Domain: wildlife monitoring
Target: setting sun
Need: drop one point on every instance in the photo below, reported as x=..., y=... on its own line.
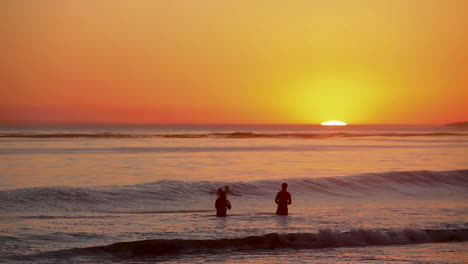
x=333, y=123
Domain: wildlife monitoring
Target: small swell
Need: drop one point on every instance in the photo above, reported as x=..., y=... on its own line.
x=321, y=239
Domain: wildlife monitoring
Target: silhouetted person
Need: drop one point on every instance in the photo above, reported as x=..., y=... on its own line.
x=222, y=204
x=283, y=198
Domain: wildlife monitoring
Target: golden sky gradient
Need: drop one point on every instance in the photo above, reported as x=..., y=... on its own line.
x=213, y=61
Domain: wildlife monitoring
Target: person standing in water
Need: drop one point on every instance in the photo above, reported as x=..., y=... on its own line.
x=222, y=204
x=283, y=199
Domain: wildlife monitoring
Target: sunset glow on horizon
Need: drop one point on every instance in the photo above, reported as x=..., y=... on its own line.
x=301, y=62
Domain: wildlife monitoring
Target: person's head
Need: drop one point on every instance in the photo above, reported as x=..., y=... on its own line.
x=222, y=194
x=284, y=186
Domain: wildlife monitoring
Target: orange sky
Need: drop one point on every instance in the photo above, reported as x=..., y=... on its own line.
x=145, y=61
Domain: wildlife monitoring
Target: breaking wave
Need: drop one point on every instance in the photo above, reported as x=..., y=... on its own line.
x=321, y=239
x=146, y=197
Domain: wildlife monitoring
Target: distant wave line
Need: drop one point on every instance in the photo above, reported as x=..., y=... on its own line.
x=192, y=149
x=238, y=135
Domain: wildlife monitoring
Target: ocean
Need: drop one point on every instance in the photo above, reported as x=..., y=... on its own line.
x=146, y=193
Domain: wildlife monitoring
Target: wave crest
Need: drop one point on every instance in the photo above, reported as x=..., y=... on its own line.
x=145, y=196
x=321, y=239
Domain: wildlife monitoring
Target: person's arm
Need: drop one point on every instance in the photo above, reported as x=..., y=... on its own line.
x=228, y=204
x=289, y=198
x=277, y=198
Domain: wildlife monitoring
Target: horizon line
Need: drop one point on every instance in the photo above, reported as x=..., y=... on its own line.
x=220, y=124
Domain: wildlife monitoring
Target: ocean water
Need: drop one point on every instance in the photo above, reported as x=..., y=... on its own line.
x=146, y=193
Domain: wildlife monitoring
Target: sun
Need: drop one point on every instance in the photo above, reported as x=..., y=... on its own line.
x=333, y=123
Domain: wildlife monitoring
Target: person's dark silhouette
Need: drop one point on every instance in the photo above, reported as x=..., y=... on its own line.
x=283, y=198
x=222, y=204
